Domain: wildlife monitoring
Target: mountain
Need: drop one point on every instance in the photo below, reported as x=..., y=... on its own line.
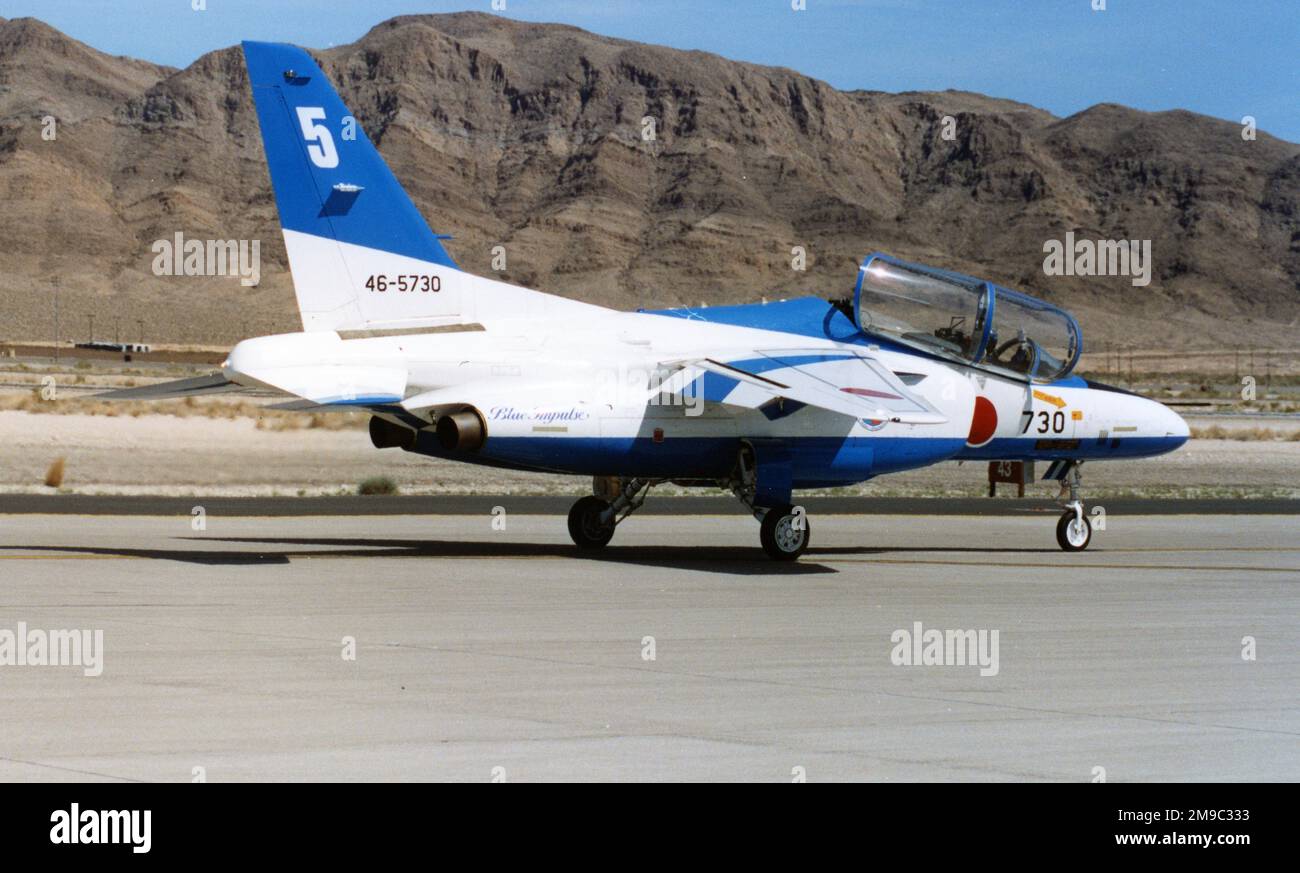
x=529, y=136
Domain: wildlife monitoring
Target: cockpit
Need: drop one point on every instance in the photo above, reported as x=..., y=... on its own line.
x=966, y=319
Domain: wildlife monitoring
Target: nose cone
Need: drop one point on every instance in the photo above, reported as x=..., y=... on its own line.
x=1171, y=426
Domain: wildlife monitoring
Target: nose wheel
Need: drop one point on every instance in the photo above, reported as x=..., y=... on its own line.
x=1074, y=530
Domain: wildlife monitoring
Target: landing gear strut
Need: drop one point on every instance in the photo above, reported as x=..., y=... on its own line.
x=592, y=519
x=1073, y=531
x=784, y=531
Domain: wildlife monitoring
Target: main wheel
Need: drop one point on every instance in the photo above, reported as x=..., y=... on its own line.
x=784, y=533
x=1073, y=534
x=585, y=526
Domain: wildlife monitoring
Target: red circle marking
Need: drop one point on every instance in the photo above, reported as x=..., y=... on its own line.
x=983, y=421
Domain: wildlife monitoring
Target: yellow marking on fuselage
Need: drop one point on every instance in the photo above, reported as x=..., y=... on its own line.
x=1049, y=398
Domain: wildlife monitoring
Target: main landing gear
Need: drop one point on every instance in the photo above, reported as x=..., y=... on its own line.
x=1073, y=531
x=592, y=519
x=783, y=531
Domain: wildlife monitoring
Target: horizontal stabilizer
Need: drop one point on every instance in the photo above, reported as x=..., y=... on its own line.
x=300, y=406
x=332, y=385
x=199, y=386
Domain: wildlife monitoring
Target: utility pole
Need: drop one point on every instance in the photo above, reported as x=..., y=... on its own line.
x=92, y=326
x=140, y=321
x=56, y=318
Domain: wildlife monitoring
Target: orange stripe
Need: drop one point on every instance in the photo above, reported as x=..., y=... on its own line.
x=1049, y=398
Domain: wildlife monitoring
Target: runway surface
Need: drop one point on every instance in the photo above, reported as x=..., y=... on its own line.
x=483, y=652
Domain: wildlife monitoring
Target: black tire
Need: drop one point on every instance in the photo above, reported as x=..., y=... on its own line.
x=584, y=524
x=780, y=538
x=1063, y=533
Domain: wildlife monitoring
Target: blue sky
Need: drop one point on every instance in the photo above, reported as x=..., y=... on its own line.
x=1226, y=58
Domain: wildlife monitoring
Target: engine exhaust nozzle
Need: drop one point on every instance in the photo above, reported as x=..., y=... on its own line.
x=462, y=431
x=386, y=435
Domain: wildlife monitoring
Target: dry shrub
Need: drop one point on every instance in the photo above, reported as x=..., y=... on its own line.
x=377, y=485
x=54, y=475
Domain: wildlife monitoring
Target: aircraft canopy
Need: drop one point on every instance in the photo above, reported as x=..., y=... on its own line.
x=966, y=319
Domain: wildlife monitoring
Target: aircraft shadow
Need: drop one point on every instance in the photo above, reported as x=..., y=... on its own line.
x=713, y=559
x=190, y=556
x=731, y=560
x=484, y=549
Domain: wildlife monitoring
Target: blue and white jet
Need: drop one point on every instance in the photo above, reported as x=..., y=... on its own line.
x=918, y=366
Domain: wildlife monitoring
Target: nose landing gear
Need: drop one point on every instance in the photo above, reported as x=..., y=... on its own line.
x=1073, y=531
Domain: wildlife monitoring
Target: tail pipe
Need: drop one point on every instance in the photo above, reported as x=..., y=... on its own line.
x=386, y=435
x=463, y=431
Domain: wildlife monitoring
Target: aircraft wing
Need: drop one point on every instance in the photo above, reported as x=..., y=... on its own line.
x=849, y=383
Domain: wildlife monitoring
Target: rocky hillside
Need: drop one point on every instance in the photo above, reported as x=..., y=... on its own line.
x=530, y=136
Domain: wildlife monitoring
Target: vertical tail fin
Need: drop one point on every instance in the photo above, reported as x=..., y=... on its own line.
x=332, y=187
x=361, y=254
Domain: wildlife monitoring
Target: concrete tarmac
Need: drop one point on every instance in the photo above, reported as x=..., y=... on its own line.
x=680, y=653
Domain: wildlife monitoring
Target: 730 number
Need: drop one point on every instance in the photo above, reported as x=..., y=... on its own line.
x=1051, y=422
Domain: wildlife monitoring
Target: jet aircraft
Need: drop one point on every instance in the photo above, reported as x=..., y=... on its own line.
x=916, y=366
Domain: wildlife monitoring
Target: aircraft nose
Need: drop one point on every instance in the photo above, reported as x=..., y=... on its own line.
x=1176, y=431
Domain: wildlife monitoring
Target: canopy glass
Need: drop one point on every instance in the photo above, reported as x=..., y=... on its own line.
x=965, y=319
